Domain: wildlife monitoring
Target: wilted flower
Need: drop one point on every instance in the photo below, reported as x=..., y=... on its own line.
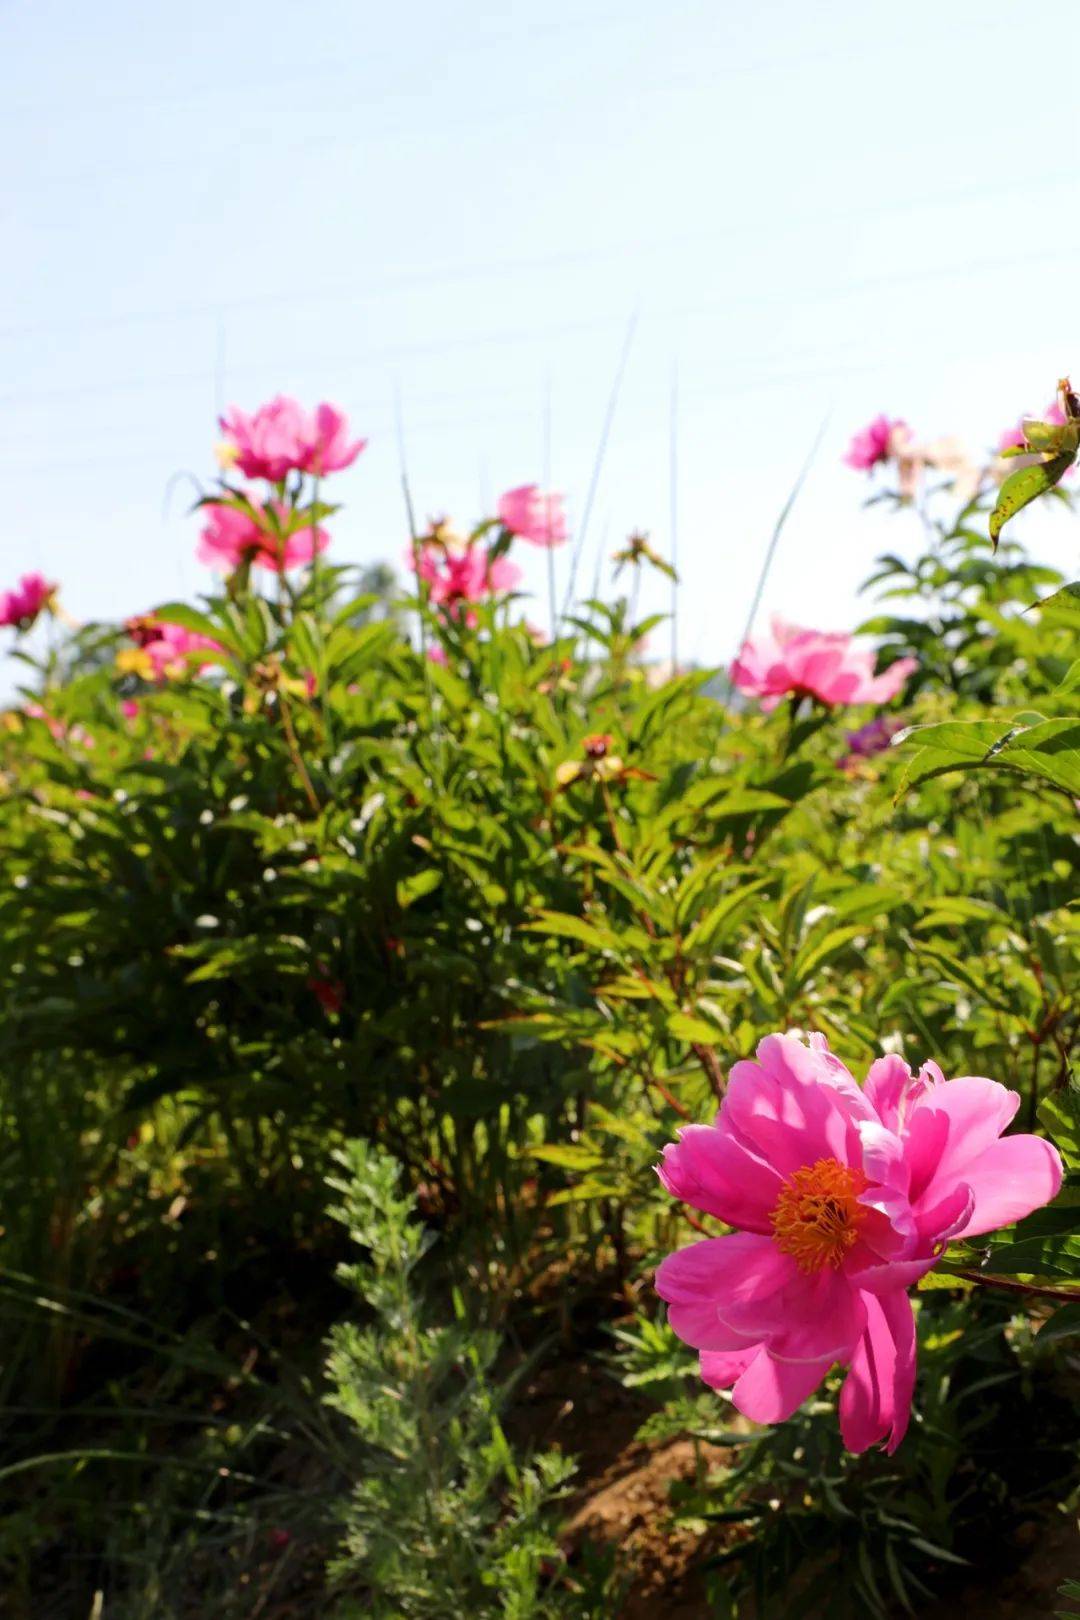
x=826, y=666
x=21, y=606
x=533, y=515
x=232, y=536
x=638, y=550
x=844, y=1196
x=598, y=764
x=281, y=437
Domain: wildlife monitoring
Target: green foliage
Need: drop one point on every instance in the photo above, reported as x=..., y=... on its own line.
x=817, y=1530
x=444, y=1519
x=511, y=916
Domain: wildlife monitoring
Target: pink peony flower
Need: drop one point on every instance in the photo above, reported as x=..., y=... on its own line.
x=231, y=537
x=843, y=1196
x=456, y=578
x=20, y=607
x=167, y=649
x=281, y=437
x=827, y=666
x=875, y=443
x=534, y=516
x=328, y=446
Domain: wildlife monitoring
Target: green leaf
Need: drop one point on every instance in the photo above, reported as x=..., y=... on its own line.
x=813, y=955
x=1038, y=1257
x=1050, y=750
x=1052, y=438
x=190, y=618
x=702, y=937
x=568, y=1156
x=1060, y=1115
x=564, y=926
x=1065, y=601
x=747, y=801
x=409, y=890
x=1072, y=679
x=1064, y=1324
x=585, y=1190
x=686, y=1028
x=1025, y=486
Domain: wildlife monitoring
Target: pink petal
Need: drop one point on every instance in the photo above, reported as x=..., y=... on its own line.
x=893, y=1276
x=770, y=1390
x=925, y=1142
x=1009, y=1180
x=795, y=1105
x=733, y=1273
x=883, y=1156
x=875, y=1402
x=720, y=1368
x=710, y=1170
x=978, y=1112
x=814, y=1317
x=939, y=1222
x=887, y=1083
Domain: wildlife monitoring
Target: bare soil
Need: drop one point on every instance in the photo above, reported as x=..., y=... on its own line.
x=622, y=1500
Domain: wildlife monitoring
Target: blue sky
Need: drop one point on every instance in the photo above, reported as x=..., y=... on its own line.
x=813, y=212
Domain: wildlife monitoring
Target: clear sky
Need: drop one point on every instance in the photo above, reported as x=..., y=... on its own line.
x=812, y=211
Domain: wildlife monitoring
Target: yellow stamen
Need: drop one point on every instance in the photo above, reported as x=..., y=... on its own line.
x=817, y=1215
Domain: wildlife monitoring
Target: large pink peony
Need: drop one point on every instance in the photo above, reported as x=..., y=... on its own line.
x=843, y=1196
x=21, y=605
x=814, y=663
x=231, y=537
x=281, y=437
x=534, y=516
x=457, y=578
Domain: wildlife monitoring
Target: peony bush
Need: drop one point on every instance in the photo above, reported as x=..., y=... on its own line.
x=330, y=870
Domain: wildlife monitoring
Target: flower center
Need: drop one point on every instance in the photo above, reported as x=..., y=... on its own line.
x=818, y=1215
